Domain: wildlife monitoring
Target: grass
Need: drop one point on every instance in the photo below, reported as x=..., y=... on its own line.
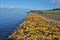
x=53, y=12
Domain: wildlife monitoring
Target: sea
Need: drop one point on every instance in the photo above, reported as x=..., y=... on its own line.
x=9, y=20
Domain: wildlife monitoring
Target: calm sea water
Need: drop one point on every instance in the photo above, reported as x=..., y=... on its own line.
x=9, y=20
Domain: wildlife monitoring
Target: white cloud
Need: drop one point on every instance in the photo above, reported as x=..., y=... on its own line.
x=7, y=7
x=56, y=1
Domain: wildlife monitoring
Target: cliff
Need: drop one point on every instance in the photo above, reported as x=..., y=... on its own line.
x=36, y=27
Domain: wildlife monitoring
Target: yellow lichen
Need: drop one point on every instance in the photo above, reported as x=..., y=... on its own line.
x=36, y=27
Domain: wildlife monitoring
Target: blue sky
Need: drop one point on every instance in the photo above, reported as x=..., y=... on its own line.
x=30, y=4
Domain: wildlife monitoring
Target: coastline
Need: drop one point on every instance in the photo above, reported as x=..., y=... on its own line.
x=33, y=20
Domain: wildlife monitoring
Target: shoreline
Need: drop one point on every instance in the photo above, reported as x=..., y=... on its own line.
x=35, y=24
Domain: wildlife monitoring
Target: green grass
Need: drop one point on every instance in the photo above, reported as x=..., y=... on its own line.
x=53, y=12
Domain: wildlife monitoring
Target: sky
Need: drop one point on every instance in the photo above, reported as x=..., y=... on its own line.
x=31, y=4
